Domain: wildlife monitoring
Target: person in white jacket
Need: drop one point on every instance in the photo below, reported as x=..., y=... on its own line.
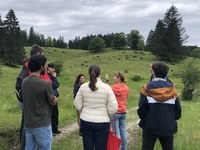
x=95, y=101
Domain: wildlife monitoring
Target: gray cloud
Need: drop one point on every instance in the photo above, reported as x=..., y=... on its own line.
x=71, y=18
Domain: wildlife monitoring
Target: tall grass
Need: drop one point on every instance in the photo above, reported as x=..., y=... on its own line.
x=133, y=63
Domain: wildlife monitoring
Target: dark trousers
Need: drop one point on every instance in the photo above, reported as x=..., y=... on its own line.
x=54, y=117
x=94, y=135
x=149, y=140
x=22, y=133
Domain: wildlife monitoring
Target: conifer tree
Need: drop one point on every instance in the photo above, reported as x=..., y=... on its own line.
x=1, y=37
x=167, y=38
x=14, y=51
x=31, y=37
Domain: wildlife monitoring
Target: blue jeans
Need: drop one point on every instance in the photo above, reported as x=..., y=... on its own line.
x=120, y=125
x=95, y=135
x=38, y=138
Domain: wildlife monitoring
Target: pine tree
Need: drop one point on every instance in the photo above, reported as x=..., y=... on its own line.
x=1, y=37
x=157, y=45
x=32, y=37
x=174, y=33
x=24, y=37
x=14, y=52
x=167, y=39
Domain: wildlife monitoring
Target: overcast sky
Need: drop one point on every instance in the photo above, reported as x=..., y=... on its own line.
x=71, y=18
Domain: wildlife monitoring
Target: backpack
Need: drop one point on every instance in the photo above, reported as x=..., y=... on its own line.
x=18, y=87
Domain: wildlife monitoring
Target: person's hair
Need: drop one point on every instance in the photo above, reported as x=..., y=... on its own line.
x=78, y=78
x=160, y=69
x=35, y=50
x=36, y=62
x=121, y=76
x=94, y=72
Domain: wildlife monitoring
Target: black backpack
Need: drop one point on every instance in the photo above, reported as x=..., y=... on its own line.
x=18, y=87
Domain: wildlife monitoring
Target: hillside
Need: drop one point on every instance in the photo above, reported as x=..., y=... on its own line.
x=133, y=63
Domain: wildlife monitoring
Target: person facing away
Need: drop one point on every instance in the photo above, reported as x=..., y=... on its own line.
x=54, y=108
x=35, y=50
x=38, y=96
x=80, y=79
x=95, y=101
x=152, y=76
x=118, y=120
x=159, y=109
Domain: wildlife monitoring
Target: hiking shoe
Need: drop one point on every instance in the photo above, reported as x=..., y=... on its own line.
x=57, y=132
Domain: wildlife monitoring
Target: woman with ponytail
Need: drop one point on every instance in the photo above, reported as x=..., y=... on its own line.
x=118, y=120
x=95, y=101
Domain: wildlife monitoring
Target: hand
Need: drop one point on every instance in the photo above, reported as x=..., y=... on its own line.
x=107, y=76
x=54, y=74
x=54, y=101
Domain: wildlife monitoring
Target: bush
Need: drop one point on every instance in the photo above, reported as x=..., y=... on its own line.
x=126, y=71
x=59, y=67
x=196, y=53
x=190, y=79
x=136, y=78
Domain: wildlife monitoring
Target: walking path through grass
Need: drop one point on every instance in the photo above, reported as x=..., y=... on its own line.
x=132, y=121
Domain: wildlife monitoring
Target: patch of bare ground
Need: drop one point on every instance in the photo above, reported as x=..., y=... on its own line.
x=131, y=128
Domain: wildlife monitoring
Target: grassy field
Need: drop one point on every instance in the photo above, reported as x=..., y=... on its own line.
x=78, y=61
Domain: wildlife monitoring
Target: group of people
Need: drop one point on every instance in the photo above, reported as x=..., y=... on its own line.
x=98, y=104
x=37, y=94
x=99, y=107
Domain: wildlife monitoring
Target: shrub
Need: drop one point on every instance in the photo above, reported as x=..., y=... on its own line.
x=196, y=53
x=136, y=78
x=190, y=79
x=126, y=71
x=59, y=67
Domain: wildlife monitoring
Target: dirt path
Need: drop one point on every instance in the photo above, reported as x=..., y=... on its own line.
x=66, y=130
x=129, y=126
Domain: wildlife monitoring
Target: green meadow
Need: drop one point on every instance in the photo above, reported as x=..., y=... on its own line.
x=132, y=63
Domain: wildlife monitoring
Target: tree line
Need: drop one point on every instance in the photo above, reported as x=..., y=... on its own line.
x=165, y=41
x=132, y=40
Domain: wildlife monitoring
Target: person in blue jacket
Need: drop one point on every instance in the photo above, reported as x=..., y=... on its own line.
x=159, y=109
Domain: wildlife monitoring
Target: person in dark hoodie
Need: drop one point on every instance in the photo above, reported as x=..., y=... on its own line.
x=159, y=109
x=54, y=108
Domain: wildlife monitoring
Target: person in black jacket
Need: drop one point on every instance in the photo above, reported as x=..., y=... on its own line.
x=80, y=79
x=54, y=108
x=159, y=109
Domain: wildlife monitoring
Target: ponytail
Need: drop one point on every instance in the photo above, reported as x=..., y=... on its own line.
x=93, y=80
x=94, y=72
x=121, y=76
